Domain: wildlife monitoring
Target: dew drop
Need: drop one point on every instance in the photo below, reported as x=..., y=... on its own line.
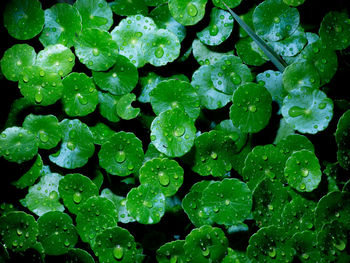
x=42, y=73
x=340, y=246
x=153, y=138
x=295, y=111
x=252, y=108
x=163, y=179
x=191, y=10
x=19, y=232
x=236, y=79
x=272, y=253
x=43, y=137
x=302, y=186
x=70, y=146
x=322, y=105
x=159, y=52
x=205, y=252
x=95, y=52
x=77, y=197
x=214, y=155
x=179, y=131
x=53, y=195
x=118, y=252
x=305, y=172
x=214, y=30
x=276, y=20
x=38, y=97
x=120, y=156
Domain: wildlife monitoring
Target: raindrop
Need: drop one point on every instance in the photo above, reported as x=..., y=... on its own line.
x=53, y=195
x=305, y=172
x=276, y=20
x=95, y=52
x=191, y=10
x=163, y=178
x=120, y=156
x=159, y=52
x=236, y=79
x=322, y=105
x=38, y=97
x=179, y=131
x=295, y=111
x=214, y=30
x=118, y=252
x=43, y=137
x=77, y=197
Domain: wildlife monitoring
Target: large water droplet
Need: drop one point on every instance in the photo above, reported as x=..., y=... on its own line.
x=120, y=156
x=82, y=100
x=77, y=197
x=118, y=252
x=305, y=172
x=38, y=97
x=236, y=79
x=295, y=111
x=205, y=252
x=252, y=108
x=191, y=9
x=213, y=30
x=272, y=253
x=19, y=232
x=163, y=178
x=70, y=146
x=43, y=137
x=53, y=195
x=214, y=155
x=276, y=19
x=340, y=246
x=159, y=52
x=179, y=131
x=95, y=52
x=322, y=105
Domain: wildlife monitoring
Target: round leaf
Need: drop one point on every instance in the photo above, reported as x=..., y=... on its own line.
x=119, y=80
x=187, y=12
x=274, y=20
x=172, y=251
x=75, y=189
x=56, y=233
x=29, y=178
x=101, y=133
x=250, y=53
x=173, y=132
x=46, y=128
x=127, y=7
x=166, y=173
x=146, y=203
x=175, y=93
x=108, y=106
x=125, y=109
x=233, y=132
x=18, y=144
x=62, y=22
x=122, y=154
x=251, y=109
x=15, y=59
x=307, y=110
x=343, y=140
x=96, y=49
x=76, y=147
x=305, y=244
x=80, y=95
x=23, y=19
x=229, y=3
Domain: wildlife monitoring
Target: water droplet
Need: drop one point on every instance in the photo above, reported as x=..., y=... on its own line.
x=43, y=137
x=272, y=253
x=276, y=20
x=82, y=100
x=340, y=246
x=130, y=166
x=120, y=156
x=214, y=30
x=252, y=108
x=179, y=131
x=295, y=111
x=138, y=34
x=53, y=195
x=153, y=138
x=25, y=78
x=191, y=9
x=322, y=105
x=163, y=179
x=118, y=252
x=42, y=73
x=214, y=155
x=205, y=252
x=159, y=52
x=302, y=186
x=77, y=197
x=15, y=243
x=270, y=207
x=147, y=204
x=236, y=79
x=95, y=52
x=227, y=202
x=38, y=97
x=19, y=232
x=304, y=172
x=70, y=146
x=305, y=256
x=66, y=243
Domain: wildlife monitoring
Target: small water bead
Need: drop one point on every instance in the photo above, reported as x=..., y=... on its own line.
x=77, y=197
x=120, y=156
x=147, y=204
x=304, y=172
x=163, y=178
x=19, y=232
x=159, y=52
x=38, y=97
x=118, y=252
x=322, y=105
x=236, y=79
x=276, y=20
x=214, y=30
x=179, y=131
x=296, y=111
x=272, y=253
x=42, y=73
x=191, y=10
x=252, y=108
x=53, y=195
x=302, y=186
x=95, y=52
x=205, y=252
x=43, y=137
x=214, y=155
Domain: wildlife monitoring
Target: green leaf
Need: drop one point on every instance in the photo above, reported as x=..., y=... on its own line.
x=78, y=255
x=44, y=197
x=40, y=86
x=298, y=215
x=95, y=14
x=173, y=132
x=172, y=252
x=75, y=189
x=294, y=2
x=18, y=230
x=229, y=3
x=130, y=35
x=101, y=133
x=15, y=59
x=333, y=206
x=146, y=203
x=263, y=162
x=119, y=202
x=80, y=95
x=160, y=47
x=274, y=20
x=342, y=139
x=46, y=128
x=205, y=244
x=307, y=110
x=165, y=173
x=115, y=245
x=96, y=49
x=29, y=178
x=163, y=19
x=204, y=55
x=56, y=58
x=269, y=199
x=56, y=233
x=170, y=94
x=108, y=106
x=270, y=245
x=119, y=80
x=335, y=30
x=18, y=144
x=62, y=22
x=305, y=244
x=247, y=18
x=219, y=28
x=272, y=81
x=250, y=53
x=94, y=216
x=240, y=138
x=193, y=205
x=125, y=109
x=23, y=19
x=212, y=153
x=187, y=12
x=303, y=171
x=122, y=154
x=300, y=74
x=129, y=7
x=229, y=73
x=251, y=109
x=228, y=202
